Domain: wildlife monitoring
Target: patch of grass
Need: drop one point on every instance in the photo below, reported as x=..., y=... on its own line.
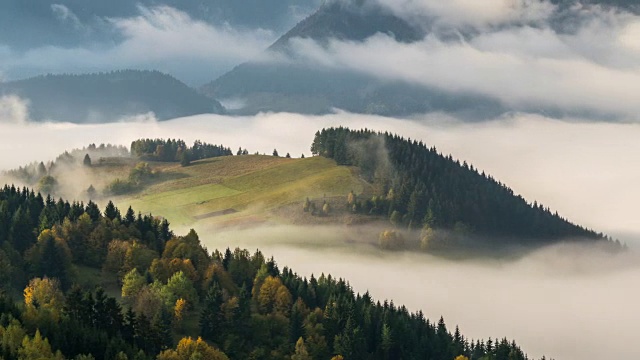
x=253, y=185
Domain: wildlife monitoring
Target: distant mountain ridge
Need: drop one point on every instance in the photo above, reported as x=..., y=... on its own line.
x=345, y=21
x=106, y=97
x=298, y=86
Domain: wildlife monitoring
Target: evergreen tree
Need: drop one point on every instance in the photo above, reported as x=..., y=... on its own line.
x=87, y=160
x=212, y=318
x=111, y=212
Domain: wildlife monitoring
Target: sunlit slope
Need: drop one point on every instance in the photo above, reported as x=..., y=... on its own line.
x=241, y=188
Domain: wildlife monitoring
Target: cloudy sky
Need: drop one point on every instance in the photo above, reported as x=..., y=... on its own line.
x=191, y=43
x=526, y=54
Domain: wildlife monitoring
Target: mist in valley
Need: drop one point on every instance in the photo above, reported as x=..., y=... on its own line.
x=584, y=170
x=564, y=301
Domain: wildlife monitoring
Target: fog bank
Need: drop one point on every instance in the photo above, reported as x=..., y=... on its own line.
x=583, y=170
x=565, y=302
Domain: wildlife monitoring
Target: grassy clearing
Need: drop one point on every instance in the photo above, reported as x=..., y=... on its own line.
x=252, y=185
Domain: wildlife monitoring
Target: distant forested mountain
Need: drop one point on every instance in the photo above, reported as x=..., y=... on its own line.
x=105, y=97
x=111, y=284
x=300, y=86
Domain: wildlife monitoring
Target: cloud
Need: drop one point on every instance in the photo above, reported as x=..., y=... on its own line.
x=164, y=32
x=545, y=301
x=583, y=170
x=591, y=68
x=554, y=302
x=13, y=110
x=65, y=15
x=160, y=38
x=471, y=12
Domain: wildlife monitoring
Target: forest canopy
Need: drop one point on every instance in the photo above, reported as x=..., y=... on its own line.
x=170, y=298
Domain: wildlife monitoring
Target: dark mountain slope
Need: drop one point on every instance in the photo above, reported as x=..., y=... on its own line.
x=108, y=97
x=345, y=21
x=299, y=86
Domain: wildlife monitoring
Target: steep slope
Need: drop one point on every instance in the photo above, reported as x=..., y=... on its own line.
x=108, y=97
x=348, y=21
x=300, y=87
x=421, y=188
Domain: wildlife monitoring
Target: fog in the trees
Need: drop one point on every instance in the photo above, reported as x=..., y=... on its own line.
x=566, y=301
x=583, y=170
x=544, y=301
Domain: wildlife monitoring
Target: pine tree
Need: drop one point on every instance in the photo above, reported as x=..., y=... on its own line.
x=212, y=317
x=111, y=212
x=87, y=160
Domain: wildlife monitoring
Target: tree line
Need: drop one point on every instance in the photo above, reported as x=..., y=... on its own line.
x=180, y=301
x=176, y=150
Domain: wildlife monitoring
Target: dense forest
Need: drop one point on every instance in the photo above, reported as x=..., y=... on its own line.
x=176, y=300
x=176, y=150
x=420, y=188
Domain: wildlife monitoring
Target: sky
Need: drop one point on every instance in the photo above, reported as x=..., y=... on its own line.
x=528, y=55
x=158, y=37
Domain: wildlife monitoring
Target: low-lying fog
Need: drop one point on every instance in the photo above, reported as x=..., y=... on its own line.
x=565, y=302
x=586, y=171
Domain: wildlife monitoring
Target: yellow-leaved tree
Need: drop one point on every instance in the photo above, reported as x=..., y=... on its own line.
x=37, y=348
x=43, y=301
x=178, y=312
x=192, y=349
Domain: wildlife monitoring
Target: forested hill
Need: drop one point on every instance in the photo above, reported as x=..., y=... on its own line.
x=348, y=21
x=105, y=97
x=421, y=188
x=73, y=262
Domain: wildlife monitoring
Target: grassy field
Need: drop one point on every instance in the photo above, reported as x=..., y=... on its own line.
x=236, y=189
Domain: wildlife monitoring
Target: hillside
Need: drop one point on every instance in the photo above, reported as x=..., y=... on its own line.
x=432, y=201
x=105, y=97
x=170, y=290
x=238, y=189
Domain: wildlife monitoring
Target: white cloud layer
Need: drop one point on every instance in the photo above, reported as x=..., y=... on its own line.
x=472, y=12
x=160, y=38
x=13, y=110
x=592, y=68
x=65, y=15
x=583, y=170
x=545, y=302
x=556, y=302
